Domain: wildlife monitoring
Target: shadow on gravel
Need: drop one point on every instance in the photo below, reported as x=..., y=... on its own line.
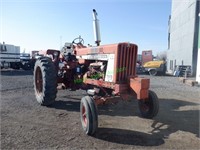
x=71, y=97
x=128, y=137
x=158, y=75
x=16, y=72
x=66, y=105
x=176, y=115
x=121, y=108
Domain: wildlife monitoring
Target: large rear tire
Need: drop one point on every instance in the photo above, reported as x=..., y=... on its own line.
x=149, y=108
x=45, y=81
x=89, y=116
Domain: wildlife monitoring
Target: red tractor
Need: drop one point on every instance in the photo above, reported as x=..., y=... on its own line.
x=106, y=72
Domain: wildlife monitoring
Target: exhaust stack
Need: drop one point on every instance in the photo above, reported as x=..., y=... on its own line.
x=96, y=28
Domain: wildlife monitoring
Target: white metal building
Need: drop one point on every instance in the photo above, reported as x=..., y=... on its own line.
x=183, y=35
x=198, y=58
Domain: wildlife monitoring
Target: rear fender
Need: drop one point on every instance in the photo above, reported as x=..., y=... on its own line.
x=52, y=54
x=152, y=69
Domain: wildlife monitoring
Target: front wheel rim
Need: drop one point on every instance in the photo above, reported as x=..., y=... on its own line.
x=84, y=117
x=38, y=80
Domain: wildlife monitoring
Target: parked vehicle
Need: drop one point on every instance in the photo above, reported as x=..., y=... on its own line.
x=26, y=62
x=106, y=72
x=9, y=56
x=155, y=67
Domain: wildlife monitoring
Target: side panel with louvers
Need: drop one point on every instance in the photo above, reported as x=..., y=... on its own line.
x=126, y=61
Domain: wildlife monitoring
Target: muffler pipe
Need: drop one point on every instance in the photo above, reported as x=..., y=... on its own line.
x=96, y=28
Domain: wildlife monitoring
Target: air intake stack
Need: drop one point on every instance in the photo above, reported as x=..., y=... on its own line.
x=96, y=28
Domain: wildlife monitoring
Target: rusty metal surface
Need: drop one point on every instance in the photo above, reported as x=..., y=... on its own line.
x=104, y=49
x=126, y=58
x=140, y=86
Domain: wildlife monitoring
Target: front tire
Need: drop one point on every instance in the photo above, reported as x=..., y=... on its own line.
x=89, y=116
x=149, y=108
x=153, y=72
x=45, y=81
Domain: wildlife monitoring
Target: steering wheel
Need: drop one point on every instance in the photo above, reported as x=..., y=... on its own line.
x=78, y=40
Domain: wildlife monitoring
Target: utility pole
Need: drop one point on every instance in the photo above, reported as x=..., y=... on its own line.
x=60, y=42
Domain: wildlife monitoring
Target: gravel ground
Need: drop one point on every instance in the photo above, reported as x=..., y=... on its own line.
x=27, y=125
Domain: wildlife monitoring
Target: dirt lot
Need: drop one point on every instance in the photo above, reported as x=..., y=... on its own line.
x=27, y=125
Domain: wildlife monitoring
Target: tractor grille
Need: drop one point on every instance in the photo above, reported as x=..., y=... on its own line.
x=126, y=62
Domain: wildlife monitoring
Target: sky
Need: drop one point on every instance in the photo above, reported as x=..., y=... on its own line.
x=45, y=24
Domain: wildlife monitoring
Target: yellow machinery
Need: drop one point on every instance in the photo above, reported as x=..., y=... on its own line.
x=155, y=67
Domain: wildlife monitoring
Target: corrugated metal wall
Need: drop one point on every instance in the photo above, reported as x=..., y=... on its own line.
x=182, y=33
